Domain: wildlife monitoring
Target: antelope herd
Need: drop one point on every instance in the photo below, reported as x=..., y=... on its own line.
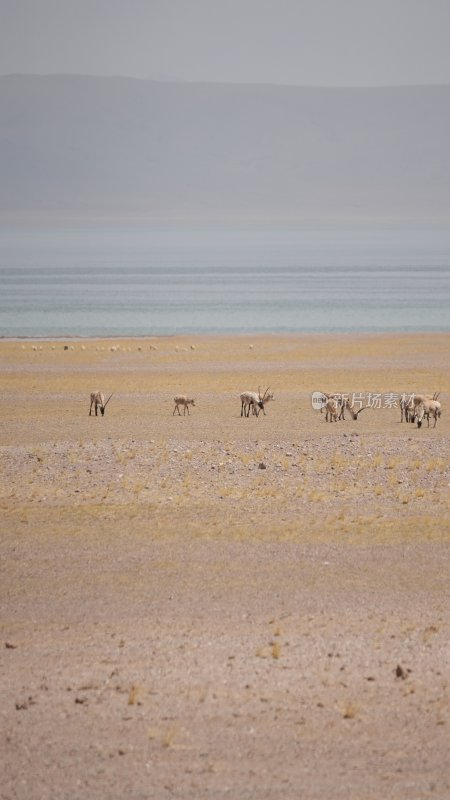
x=336, y=405
x=413, y=407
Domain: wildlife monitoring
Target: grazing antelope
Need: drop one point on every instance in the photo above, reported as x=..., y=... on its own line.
x=336, y=406
x=98, y=401
x=347, y=406
x=426, y=409
x=422, y=408
x=249, y=400
x=182, y=400
x=254, y=401
x=409, y=405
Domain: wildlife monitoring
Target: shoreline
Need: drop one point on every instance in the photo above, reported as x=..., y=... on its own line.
x=225, y=335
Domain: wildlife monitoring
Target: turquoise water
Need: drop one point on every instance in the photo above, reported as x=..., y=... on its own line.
x=166, y=279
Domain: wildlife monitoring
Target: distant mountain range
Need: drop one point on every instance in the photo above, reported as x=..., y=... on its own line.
x=87, y=147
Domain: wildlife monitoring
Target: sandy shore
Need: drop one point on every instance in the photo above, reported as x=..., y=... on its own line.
x=208, y=606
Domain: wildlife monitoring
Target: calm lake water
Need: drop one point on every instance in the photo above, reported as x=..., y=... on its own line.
x=160, y=280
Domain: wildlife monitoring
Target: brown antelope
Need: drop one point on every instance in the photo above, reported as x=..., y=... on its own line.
x=185, y=401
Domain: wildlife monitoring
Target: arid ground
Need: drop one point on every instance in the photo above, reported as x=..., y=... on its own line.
x=210, y=606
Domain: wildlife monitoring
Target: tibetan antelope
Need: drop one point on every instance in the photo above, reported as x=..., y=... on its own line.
x=98, y=401
x=409, y=404
x=254, y=401
x=182, y=400
x=420, y=404
x=427, y=408
x=407, y=408
x=335, y=406
x=331, y=410
x=347, y=406
x=337, y=396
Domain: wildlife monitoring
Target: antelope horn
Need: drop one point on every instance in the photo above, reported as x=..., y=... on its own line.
x=109, y=398
x=361, y=409
x=264, y=395
x=436, y=395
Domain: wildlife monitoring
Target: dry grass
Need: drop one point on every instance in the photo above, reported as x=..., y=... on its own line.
x=233, y=627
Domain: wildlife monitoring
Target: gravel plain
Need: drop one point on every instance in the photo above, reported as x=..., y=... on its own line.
x=210, y=606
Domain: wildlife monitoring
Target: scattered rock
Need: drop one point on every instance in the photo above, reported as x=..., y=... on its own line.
x=25, y=704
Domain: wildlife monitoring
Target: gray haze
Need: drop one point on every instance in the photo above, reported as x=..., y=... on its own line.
x=300, y=42
x=125, y=148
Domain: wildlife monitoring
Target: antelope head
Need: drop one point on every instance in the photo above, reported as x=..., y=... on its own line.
x=265, y=397
x=355, y=413
x=102, y=408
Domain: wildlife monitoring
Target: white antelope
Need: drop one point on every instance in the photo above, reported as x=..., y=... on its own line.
x=98, y=401
x=182, y=400
x=331, y=410
x=409, y=404
x=428, y=408
x=423, y=406
x=254, y=401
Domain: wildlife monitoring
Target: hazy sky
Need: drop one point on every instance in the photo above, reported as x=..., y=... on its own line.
x=304, y=42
